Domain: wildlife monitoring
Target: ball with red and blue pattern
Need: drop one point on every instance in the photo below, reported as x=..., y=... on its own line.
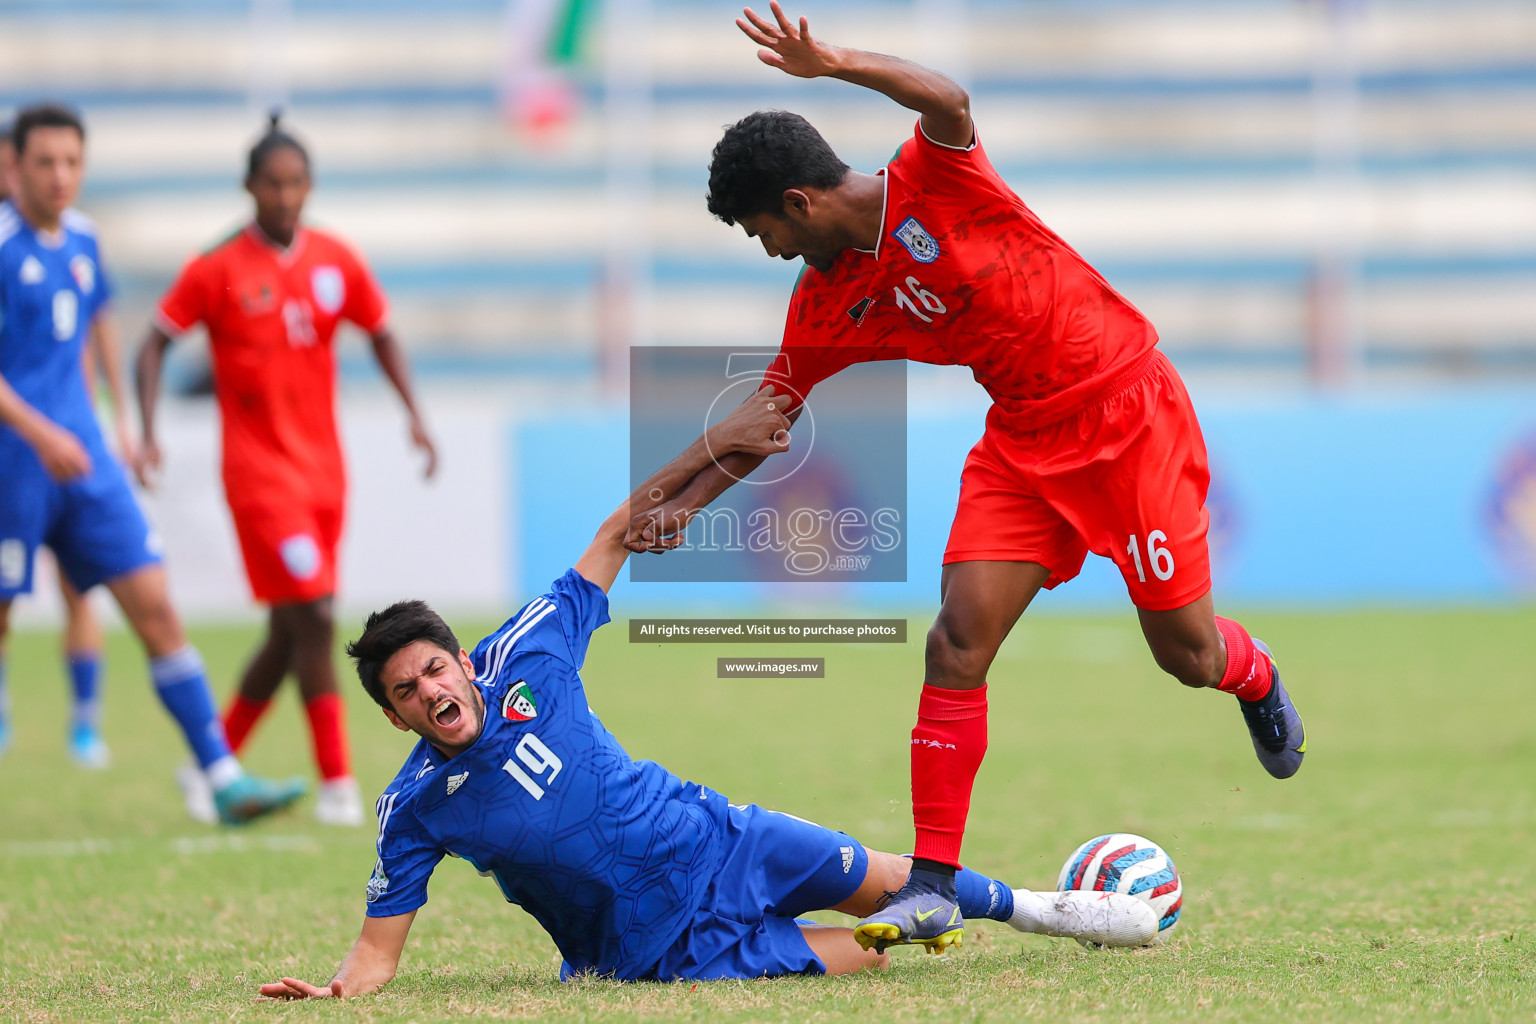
x=1130, y=864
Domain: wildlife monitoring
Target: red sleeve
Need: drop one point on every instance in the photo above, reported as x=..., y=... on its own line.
x=945, y=169
x=366, y=303
x=185, y=303
x=815, y=346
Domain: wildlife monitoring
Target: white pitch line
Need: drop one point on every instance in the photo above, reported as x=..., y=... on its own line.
x=184, y=845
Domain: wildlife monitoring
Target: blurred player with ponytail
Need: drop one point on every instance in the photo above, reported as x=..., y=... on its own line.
x=272, y=295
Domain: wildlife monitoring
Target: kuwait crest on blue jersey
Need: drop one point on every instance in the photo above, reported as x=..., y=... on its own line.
x=518, y=705
x=917, y=240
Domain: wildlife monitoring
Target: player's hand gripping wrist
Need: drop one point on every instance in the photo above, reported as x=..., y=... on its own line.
x=757, y=426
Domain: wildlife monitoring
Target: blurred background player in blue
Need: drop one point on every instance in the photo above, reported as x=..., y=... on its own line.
x=83, y=638
x=62, y=486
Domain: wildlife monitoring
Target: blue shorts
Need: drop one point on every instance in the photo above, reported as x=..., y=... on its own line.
x=93, y=524
x=774, y=867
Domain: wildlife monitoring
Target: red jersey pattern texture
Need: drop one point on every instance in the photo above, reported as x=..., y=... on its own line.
x=272, y=315
x=964, y=273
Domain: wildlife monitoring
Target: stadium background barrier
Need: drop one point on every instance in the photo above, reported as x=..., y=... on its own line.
x=1397, y=498
x=1423, y=498
x=446, y=541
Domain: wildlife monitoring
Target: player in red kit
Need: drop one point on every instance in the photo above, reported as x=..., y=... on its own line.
x=1091, y=442
x=272, y=296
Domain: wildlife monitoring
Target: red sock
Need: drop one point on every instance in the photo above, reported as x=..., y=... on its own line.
x=948, y=743
x=328, y=730
x=1248, y=668
x=240, y=718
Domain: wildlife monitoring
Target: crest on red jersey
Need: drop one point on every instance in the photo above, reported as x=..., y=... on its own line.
x=917, y=240
x=329, y=289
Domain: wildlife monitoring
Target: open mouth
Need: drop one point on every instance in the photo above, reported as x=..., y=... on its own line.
x=447, y=713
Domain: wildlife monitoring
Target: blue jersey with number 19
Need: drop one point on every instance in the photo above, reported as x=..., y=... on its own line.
x=612, y=856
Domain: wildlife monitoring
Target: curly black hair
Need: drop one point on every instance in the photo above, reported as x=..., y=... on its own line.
x=763, y=154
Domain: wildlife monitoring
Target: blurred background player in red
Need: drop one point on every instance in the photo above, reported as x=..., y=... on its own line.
x=272, y=295
x=84, y=640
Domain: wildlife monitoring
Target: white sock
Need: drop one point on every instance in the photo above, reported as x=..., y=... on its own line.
x=1029, y=909
x=224, y=772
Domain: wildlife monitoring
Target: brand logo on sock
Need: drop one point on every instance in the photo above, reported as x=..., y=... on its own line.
x=918, y=741
x=994, y=898
x=847, y=852
x=455, y=781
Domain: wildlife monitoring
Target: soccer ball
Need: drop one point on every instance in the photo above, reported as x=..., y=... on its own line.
x=1129, y=864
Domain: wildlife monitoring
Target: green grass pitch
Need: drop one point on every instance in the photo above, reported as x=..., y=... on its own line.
x=1393, y=879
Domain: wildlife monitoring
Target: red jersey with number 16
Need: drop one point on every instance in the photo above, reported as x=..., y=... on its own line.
x=272, y=315
x=964, y=273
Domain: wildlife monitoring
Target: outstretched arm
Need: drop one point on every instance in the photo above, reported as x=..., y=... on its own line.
x=944, y=106
x=368, y=967
x=387, y=350
x=755, y=429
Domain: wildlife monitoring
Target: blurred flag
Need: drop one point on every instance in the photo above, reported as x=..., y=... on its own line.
x=544, y=41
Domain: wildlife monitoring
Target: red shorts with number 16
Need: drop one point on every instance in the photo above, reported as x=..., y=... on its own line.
x=1125, y=478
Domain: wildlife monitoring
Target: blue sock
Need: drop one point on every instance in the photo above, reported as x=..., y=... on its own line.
x=981, y=896
x=85, y=677
x=182, y=683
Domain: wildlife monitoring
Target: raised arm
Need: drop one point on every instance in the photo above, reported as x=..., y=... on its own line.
x=754, y=430
x=944, y=106
x=146, y=374
x=368, y=967
x=391, y=357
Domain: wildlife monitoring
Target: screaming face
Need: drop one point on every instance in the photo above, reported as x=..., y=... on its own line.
x=432, y=693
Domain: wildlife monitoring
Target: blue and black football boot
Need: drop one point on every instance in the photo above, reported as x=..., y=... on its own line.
x=924, y=912
x=1278, y=738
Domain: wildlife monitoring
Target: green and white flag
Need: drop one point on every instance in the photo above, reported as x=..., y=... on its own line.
x=545, y=42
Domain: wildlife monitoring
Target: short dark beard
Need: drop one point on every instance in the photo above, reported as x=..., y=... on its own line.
x=478, y=708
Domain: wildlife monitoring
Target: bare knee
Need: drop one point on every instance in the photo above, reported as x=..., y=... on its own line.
x=158, y=627
x=312, y=621
x=5, y=620
x=1193, y=664
x=955, y=660
x=886, y=873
